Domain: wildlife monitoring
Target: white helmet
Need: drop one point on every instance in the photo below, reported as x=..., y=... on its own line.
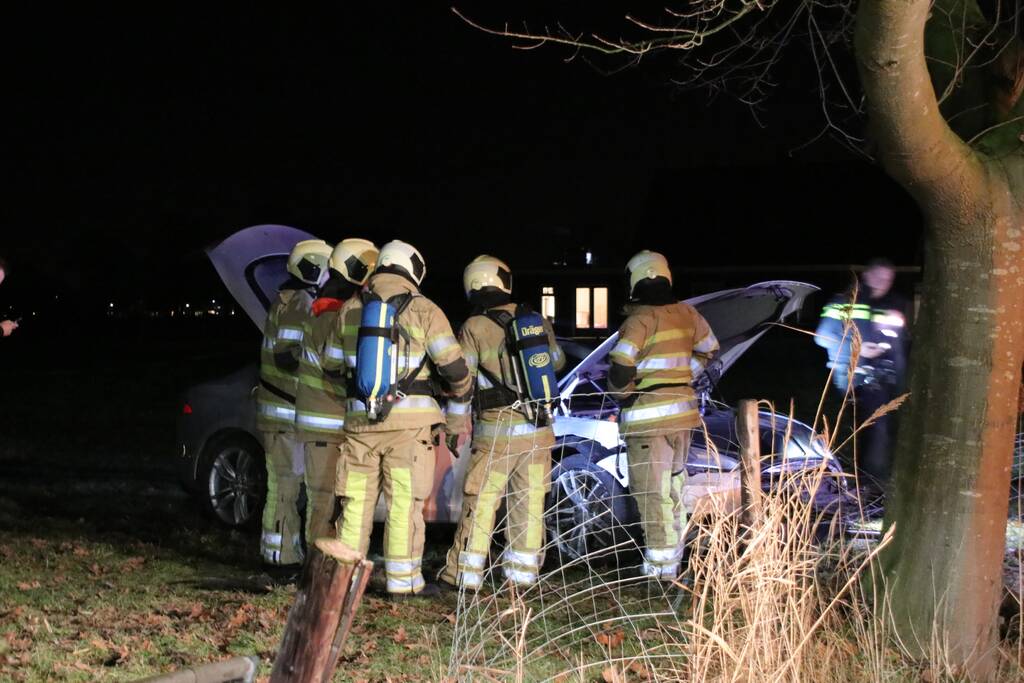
x=487, y=271
x=308, y=261
x=646, y=265
x=404, y=258
x=354, y=259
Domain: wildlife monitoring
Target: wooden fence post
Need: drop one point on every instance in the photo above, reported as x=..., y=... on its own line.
x=748, y=432
x=329, y=594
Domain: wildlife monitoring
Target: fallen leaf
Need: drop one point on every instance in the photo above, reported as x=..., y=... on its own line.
x=640, y=671
x=400, y=635
x=38, y=543
x=79, y=551
x=133, y=564
x=610, y=675
x=610, y=638
x=450, y=617
x=196, y=610
x=95, y=569
x=241, y=616
x=28, y=586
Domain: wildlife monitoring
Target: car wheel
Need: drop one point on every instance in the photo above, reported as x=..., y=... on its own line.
x=588, y=511
x=234, y=479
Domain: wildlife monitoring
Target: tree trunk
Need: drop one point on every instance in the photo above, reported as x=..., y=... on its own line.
x=951, y=476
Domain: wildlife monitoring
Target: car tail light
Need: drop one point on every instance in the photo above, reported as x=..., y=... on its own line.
x=186, y=409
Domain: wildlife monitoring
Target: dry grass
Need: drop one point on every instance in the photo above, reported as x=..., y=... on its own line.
x=778, y=599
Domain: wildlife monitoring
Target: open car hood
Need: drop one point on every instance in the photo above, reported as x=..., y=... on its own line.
x=253, y=265
x=738, y=317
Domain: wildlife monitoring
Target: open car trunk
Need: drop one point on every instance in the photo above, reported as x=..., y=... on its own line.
x=253, y=265
x=738, y=317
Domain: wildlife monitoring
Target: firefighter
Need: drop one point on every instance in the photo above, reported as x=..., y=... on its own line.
x=390, y=439
x=320, y=397
x=508, y=448
x=877, y=375
x=662, y=346
x=281, y=543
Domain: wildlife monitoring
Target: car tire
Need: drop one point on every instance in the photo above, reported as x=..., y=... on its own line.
x=589, y=513
x=232, y=479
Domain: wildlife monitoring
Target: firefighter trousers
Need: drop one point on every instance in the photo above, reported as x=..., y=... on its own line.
x=321, y=471
x=281, y=542
x=401, y=464
x=659, y=495
x=524, y=468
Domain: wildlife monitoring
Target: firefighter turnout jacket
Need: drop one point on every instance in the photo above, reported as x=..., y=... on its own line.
x=320, y=397
x=660, y=350
x=280, y=357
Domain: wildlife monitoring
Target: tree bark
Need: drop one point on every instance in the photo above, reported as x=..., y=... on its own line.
x=951, y=475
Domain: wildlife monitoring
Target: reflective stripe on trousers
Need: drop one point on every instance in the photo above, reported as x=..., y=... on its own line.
x=662, y=563
x=471, y=569
x=521, y=568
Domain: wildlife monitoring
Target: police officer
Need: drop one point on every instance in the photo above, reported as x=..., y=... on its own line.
x=320, y=397
x=281, y=542
x=662, y=346
x=509, y=448
x=395, y=453
x=877, y=374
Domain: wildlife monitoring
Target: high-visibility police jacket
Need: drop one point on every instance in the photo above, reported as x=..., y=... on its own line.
x=279, y=360
x=484, y=344
x=431, y=340
x=880, y=321
x=659, y=351
x=320, y=397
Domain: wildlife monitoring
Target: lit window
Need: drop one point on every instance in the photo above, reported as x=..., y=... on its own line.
x=547, y=303
x=582, y=307
x=601, y=308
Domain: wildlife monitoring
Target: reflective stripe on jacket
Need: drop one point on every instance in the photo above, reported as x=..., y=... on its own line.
x=280, y=356
x=665, y=346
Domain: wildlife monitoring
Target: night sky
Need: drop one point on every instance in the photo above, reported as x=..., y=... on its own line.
x=136, y=137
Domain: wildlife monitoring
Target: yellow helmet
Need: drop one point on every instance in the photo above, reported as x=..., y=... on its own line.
x=487, y=271
x=308, y=261
x=403, y=258
x=646, y=265
x=354, y=259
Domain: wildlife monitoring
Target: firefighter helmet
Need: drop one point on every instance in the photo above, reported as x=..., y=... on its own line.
x=354, y=259
x=487, y=271
x=646, y=265
x=403, y=259
x=308, y=261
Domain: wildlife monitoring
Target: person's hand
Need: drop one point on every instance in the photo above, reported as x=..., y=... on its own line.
x=871, y=350
x=8, y=326
x=452, y=442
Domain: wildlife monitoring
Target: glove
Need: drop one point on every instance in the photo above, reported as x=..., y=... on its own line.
x=452, y=442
